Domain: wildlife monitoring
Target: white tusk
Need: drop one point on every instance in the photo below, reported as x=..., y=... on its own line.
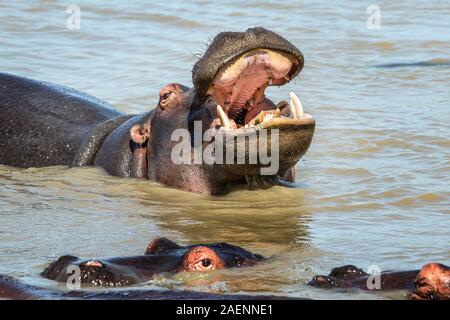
x=297, y=105
x=223, y=117
x=292, y=110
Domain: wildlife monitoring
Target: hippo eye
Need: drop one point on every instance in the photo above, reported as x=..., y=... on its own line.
x=201, y=258
x=206, y=263
x=164, y=99
x=203, y=265
x=166, y=96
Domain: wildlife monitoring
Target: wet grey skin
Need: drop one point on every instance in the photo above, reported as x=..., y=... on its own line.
x=162, y=256
x=44, y=124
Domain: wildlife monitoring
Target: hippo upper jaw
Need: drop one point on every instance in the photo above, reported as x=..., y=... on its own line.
x=233, y=48
x=235, y=71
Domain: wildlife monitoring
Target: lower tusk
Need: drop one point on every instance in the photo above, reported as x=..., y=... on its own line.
x=223, y=117
x=260, y=118
x=297, y=105
x=277, y=113
x=292, y=110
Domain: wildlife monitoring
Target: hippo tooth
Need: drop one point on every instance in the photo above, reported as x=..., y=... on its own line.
x=261, y=117
x=277, y=113
x=297, y=105
x=286, y=78
x=223, y=117
x=292, y=110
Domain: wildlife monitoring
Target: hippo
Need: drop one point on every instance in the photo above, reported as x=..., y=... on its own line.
x=44, y=124
x=432, y=282
x=161, y=256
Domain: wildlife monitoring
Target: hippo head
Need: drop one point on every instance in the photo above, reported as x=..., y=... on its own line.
x=256, y=141
x=161, y=256
x=432, y=283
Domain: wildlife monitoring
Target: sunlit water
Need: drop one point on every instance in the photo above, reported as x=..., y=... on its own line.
x=372, y=189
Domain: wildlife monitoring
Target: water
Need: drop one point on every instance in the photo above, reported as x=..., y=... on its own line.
x=372, y=189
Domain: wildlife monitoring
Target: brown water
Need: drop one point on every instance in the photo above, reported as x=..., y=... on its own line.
x=372, y=189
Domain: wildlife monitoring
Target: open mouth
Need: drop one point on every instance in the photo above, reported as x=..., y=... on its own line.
x=239, y=91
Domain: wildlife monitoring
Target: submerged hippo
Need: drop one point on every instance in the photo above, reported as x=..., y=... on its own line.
x=429, y=283
x=43, y=124
x=161, y=256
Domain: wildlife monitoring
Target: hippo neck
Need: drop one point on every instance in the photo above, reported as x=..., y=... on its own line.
x=93, y=141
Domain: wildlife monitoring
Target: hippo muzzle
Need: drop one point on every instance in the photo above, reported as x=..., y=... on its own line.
x=230, y=82
x=238, y=136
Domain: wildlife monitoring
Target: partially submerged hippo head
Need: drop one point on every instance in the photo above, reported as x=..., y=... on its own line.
x=161, y=256
x=228, y=105
x=432, y=283
x=339, y=277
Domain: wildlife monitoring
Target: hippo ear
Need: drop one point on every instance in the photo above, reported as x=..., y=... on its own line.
x=140, y=133
x=160, y=245
x=55, y=268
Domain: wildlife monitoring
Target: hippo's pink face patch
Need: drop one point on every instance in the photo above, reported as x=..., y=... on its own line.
x=201, y=258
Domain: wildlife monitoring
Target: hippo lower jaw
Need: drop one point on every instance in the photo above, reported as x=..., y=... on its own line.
x=291, y=142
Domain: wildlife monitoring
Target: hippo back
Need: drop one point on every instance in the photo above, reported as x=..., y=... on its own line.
x=42, y=124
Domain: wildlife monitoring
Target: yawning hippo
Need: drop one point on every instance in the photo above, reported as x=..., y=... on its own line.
x=43, y=124
x=431, y=282
x=161, y=256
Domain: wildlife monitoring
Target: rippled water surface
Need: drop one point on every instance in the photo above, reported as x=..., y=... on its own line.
x=372, y=189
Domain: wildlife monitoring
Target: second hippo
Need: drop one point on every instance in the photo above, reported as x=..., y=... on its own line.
x=161, y=256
